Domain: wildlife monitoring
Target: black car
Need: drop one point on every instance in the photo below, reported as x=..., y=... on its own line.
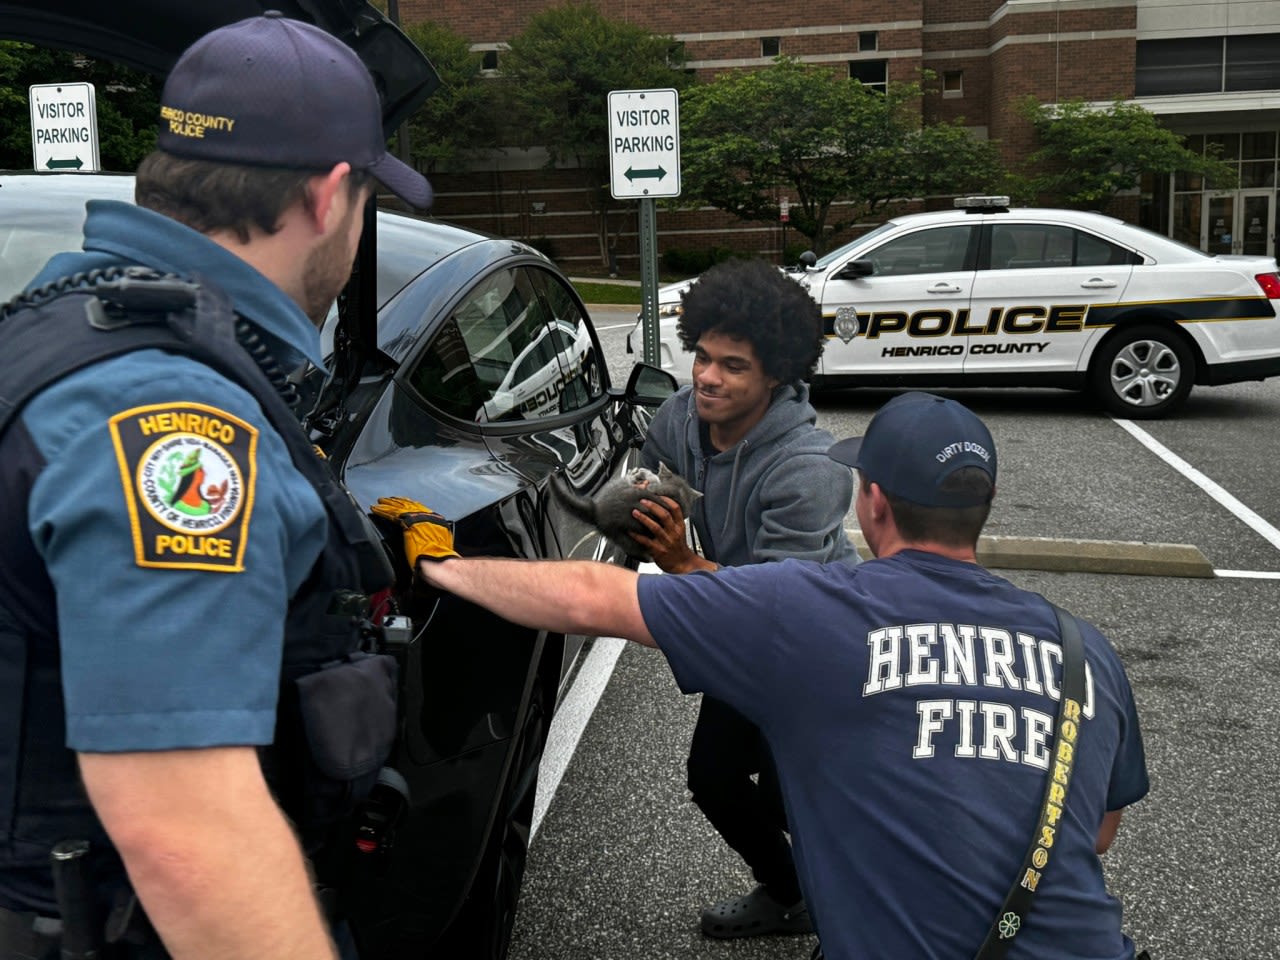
x=464, y=373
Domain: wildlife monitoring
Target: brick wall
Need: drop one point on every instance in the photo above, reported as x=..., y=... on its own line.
x=1081, y=58
x=487, y=21
x=555, y=205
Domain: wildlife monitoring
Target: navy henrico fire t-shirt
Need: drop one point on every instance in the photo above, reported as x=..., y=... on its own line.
x=910, y=706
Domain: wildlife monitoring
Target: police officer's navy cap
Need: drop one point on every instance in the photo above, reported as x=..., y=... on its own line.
x=914, y=442
x=270, y=91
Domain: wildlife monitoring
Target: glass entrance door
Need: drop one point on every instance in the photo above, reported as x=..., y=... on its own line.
x=1257, y=222
x=1242, y=221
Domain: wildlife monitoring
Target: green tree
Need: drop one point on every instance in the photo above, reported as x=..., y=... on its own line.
x=748, y=138
x=128, y=103
x=1088, y=155
x=459, y=116
x=558, y=73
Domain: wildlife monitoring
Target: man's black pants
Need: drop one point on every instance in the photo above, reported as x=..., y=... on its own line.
x=726, y=750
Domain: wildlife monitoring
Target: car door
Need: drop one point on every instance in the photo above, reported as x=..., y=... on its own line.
x=1037, y=283
x=911, y=305
x=467, y=428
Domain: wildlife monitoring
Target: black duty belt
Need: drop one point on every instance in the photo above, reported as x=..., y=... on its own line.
x=28, y=936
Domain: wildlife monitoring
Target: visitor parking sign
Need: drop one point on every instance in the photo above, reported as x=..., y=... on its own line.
x=64, y=127
x=644, y=143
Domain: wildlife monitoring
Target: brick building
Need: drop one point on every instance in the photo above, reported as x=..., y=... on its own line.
x=1210, y=70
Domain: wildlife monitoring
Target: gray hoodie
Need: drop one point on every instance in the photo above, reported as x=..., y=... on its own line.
x=775, y=494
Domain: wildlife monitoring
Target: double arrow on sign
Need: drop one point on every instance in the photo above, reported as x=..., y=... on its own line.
x=53, y=164
x=656, y=174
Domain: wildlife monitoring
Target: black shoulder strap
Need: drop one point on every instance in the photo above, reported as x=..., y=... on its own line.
x=1013, y=913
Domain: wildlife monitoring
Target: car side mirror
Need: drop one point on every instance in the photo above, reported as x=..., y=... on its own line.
x=807, y=259
x=854, y=269
x=648, y=386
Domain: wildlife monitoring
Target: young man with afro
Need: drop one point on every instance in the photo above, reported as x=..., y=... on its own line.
x=744, y=434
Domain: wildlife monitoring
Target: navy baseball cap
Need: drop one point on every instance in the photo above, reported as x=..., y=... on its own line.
x=270, y=91
x=914, y=442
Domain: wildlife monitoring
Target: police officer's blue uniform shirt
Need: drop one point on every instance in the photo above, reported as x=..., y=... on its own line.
x=172, y=522
x=909, y=703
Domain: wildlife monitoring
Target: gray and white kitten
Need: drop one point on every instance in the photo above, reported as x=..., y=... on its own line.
x=610, y=510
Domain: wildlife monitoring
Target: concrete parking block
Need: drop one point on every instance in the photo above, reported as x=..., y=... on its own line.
x=1083, y=556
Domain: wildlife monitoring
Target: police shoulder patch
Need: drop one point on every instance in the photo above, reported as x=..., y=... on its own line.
x=188, y=473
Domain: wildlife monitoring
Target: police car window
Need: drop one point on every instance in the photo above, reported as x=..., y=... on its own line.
x=1023, y=246
x=492, y=361
x=925, y=251
x=580, y=360
x=1093, y=251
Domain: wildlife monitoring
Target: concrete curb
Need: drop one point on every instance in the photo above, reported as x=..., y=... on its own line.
x=613, y=281
x=1083, y=556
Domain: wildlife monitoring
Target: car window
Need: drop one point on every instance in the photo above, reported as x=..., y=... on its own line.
x=576, y=349
x=541, y=353
x=497, y=358
x=925, y=251
x=1093, y=251
x=1022, y=246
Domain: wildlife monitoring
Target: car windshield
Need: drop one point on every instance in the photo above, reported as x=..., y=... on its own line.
x=842, y=253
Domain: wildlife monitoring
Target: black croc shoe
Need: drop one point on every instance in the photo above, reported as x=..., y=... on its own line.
x=755, y=915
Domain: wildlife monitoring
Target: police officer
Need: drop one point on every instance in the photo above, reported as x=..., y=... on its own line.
x=173, y=557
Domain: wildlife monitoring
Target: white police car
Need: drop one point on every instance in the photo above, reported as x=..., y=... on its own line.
x=986, y=295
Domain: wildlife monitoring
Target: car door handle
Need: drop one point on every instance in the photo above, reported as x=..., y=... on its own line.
x=943, y=287
x=1097, y=283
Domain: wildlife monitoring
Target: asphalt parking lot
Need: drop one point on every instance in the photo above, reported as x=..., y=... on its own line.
x=622, y=863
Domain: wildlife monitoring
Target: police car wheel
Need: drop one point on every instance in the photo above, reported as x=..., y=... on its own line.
x=1143, y=373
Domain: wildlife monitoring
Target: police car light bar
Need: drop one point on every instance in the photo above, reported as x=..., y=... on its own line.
x=982, y=203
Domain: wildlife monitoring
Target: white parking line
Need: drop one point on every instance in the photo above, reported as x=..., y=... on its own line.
x=1251, y=519
x=617, y=326
x=1249, y=574
x=570, y=721
x=571, y=716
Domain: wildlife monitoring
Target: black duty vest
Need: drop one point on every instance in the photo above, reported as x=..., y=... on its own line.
x=336, y=717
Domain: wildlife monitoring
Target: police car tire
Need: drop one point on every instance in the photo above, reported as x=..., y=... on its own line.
x=1143, y=373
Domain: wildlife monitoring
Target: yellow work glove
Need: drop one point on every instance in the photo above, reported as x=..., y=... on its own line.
x=427, y=535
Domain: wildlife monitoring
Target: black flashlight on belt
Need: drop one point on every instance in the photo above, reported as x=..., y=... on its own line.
x=70, y=862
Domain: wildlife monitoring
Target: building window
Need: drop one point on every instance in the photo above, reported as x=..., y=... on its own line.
x=953, y=83
x=870, y=73
x=1186, y=65
x=1208, y=65
x=1253, y=62
x=770, y=46
x=489, y=60
x=868, y=40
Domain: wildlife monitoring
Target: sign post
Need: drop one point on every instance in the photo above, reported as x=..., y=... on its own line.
x=64, y=127
x=644, y=163
x=784, y=215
